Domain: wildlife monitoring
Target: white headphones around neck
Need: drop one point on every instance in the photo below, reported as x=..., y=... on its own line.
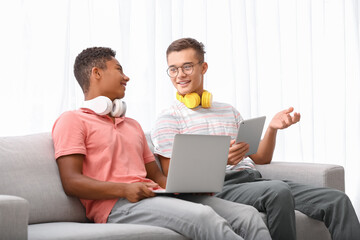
x=102, y=106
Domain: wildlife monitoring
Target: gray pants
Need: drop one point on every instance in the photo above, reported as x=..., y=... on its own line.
x=194, y=216
x=279, y=199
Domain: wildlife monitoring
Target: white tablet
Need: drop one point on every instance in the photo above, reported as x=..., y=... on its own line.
x=250, y=131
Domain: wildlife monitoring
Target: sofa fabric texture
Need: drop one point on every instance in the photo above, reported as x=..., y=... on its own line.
x=33, y=204
x=29, y=170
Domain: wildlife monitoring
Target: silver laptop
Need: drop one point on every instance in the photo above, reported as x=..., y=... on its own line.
x=197, y=164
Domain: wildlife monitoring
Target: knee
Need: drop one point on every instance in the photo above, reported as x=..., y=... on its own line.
x=280, y=192
x=204, y=212
x=337, y=197
x=248, y=210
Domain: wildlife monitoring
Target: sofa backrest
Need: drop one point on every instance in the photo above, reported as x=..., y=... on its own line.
x=28, y=169
x=151, y=146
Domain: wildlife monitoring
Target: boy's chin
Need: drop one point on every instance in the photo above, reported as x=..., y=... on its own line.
x=120, y=96
x=184, y=92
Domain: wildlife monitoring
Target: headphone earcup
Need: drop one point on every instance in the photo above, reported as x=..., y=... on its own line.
x=179, y=97
x=118, y=108
x=206, y=99
x=191, y=100
x=101, y=105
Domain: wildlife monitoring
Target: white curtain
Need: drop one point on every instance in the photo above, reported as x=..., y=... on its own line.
x=263, y=56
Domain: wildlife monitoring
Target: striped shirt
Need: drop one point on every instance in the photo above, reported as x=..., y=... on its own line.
x=219, y=119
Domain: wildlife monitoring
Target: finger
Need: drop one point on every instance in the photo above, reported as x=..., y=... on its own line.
x=147, y=192
x=239, y=149
x=234, y=159
x=289, y=110
x=232, y=142
x=288, y=120
x=296, y=117
x=236, y=147
x=234, y=156
x=232, y=149
x=238, y=152
x=145, y=189
x=283, y=123
x=151, y=184
x=245, y=149
x=240, y=145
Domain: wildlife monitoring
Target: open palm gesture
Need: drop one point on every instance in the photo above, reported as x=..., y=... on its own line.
x=284, y=119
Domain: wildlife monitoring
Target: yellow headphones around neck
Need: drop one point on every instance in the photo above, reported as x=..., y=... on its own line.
x=192, y=100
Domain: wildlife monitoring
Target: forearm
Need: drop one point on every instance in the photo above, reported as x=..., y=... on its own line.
x=155, y=174
x=165, y=163
x=87, y=188
x=266, y=147
x=160, y=179
x=81, y=186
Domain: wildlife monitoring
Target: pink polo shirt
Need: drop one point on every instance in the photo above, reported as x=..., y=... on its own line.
x=114, y=152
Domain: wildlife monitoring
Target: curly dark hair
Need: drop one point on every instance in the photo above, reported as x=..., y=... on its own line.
x=86, y=60
x=185, y=43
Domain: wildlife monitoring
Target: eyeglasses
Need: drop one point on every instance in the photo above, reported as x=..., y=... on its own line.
x=187, y=69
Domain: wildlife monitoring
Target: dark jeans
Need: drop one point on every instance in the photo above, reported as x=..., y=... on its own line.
x=278, y=199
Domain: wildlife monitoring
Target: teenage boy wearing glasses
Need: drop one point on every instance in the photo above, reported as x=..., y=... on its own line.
x=194, y=113
x=106, y=162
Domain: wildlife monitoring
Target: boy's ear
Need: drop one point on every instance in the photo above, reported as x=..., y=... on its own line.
x=95, y=72
x=204, y=67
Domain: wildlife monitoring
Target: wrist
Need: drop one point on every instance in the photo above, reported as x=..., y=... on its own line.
x=272, y=130
x=162, y=182
x=122, y=190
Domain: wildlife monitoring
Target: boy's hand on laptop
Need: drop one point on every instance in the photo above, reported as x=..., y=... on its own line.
x=135, y=192
x=237, y=152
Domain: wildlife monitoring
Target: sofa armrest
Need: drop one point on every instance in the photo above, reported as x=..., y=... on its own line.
x=14, y=217
x=315, y=174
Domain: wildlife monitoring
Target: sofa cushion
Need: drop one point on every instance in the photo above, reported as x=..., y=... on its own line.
x=14, y=216
x=78, y=231
x=29, y=170
x=151, y=146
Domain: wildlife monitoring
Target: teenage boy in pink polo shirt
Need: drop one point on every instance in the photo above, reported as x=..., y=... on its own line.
x=104, y=160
